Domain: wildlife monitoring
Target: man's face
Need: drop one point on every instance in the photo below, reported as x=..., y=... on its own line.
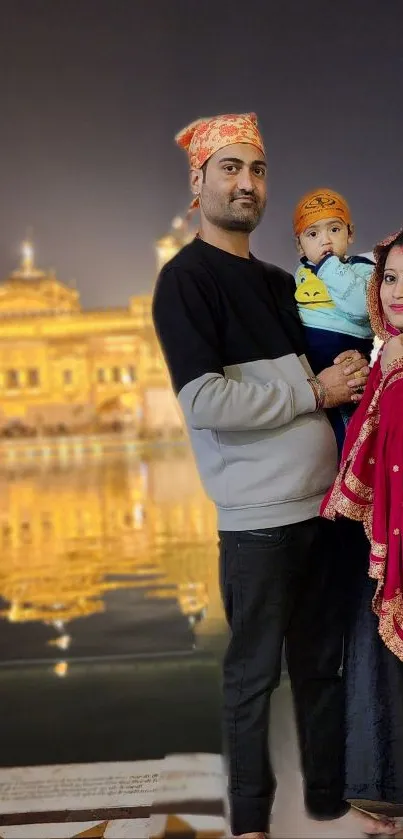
x=232, y=188
x=330, y=236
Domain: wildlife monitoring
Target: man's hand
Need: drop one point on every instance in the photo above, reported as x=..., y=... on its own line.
x=346, y=380
x=393, y=351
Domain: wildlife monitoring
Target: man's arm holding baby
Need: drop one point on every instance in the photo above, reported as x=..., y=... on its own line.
x=342, y=383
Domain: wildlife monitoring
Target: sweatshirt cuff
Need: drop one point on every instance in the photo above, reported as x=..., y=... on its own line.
x=303, y=398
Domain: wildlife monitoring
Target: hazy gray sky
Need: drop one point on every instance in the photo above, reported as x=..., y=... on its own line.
x=92, y=92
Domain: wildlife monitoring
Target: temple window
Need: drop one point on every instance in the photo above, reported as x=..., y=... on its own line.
x=116, y=374
x=12, y=378
x=6, y=533
x=67, y=377
x=33, y=377
x=46, y=522
x=131, y=373
x=101, y=375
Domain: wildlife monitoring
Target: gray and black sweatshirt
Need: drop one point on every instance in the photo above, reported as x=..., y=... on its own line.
x=234, y=345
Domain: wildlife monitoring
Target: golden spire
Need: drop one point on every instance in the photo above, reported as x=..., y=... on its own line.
x=168, y=246
x=27, y=269
x=27, y=258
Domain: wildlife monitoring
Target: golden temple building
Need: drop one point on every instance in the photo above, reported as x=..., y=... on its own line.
x=69, y=536
x=77, y=529
x=68, y=370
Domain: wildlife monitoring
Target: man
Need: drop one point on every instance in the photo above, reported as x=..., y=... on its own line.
x=233, y=342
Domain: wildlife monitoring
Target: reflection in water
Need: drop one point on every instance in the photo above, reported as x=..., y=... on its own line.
x=72, y=535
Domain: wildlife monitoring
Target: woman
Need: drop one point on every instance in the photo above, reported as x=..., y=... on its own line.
x=369, y=489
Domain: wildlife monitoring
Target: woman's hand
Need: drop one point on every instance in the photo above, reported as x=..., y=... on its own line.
x=346, y=380
x=392, y=351
x=355, y=368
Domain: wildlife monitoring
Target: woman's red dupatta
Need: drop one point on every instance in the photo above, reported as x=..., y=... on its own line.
x=369, y=486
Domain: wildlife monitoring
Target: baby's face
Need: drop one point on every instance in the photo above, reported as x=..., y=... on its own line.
x=327, y=236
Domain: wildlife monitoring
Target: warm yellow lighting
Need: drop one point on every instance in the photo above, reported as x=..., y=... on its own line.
x=107, y=529
x=168, y=246
x=61, y=669
x=62, y=643
x=66, y=371
x=27, y=262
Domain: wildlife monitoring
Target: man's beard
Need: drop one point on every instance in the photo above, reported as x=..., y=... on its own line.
x=243, y=225
x=242, y=222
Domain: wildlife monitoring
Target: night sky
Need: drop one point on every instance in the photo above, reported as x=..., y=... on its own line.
x=92, y=92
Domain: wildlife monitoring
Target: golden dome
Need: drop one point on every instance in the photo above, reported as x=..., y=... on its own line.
x=169, y=245
x=29, y=291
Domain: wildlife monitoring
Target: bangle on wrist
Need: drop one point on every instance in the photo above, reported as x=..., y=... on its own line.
x=319, y=391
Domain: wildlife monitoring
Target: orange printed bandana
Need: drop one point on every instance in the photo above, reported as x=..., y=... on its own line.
x=202, y=138
x=317, y=205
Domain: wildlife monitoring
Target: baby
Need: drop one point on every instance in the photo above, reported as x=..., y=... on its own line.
x=331, y=287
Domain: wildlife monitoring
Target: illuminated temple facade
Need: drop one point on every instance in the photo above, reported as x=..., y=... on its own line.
x=68, y=370
x=101, y=527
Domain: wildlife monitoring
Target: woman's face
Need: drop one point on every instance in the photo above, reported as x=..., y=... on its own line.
x=392, y=288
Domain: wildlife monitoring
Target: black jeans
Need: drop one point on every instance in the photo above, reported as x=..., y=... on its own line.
x=277, y=584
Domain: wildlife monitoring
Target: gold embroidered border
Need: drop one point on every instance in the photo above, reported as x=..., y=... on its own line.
x=373, y=299
x=396, y=364
x=387, y=382
x=360, y=489
x=338, y=503
x=349, y=509
x=390, y=612
x=379, y=550
x=377, y=570
x=331, y=509
x=374, y=307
